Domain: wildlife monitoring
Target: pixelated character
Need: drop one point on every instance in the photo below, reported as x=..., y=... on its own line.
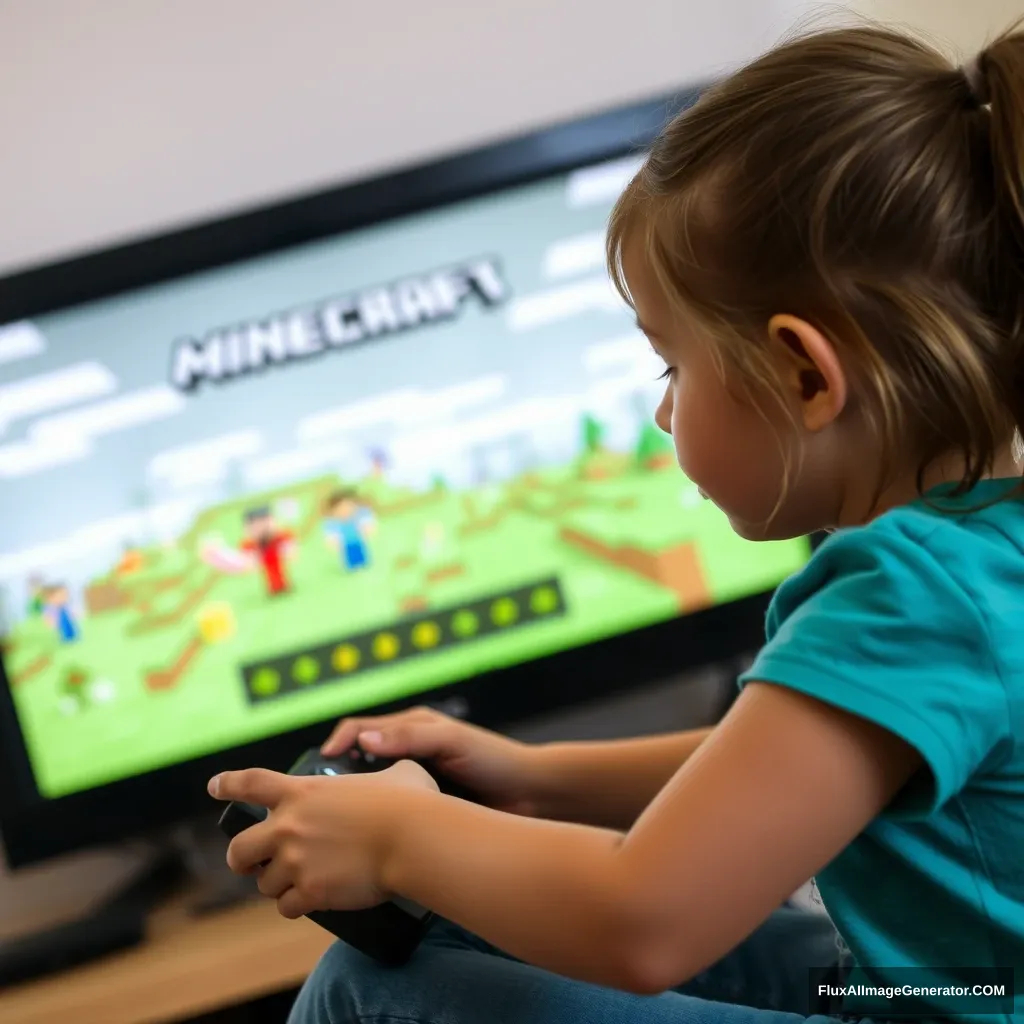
x=348, y=524
x=270, y=546
x=378, y=462
x=58, y=612
x=220, y=556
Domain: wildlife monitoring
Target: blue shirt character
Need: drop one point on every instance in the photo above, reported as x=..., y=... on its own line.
x=59, y=614
x=346, y=527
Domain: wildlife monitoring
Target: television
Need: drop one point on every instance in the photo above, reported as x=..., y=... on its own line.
x=386, y=444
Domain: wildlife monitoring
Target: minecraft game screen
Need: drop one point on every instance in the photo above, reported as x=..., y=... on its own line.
x=262, y=496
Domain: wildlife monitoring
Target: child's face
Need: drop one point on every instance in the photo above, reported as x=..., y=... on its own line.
x=723, y=445
x=344, y=509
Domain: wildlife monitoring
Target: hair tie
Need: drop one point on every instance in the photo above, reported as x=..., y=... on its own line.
x=977, y=80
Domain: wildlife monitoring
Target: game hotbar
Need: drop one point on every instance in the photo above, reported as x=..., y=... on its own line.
x=340, y=475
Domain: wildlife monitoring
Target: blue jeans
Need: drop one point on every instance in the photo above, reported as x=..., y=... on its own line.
x=456, y=978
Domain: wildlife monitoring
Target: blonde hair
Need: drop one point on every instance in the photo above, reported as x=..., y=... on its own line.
x=856, y=179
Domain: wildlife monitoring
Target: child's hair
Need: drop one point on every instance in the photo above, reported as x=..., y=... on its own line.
x=856, y=179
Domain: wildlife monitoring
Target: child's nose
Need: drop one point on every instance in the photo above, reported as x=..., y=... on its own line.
x=663, y=414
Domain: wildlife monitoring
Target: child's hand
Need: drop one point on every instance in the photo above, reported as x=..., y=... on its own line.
x=498, y=770
x=323, y=843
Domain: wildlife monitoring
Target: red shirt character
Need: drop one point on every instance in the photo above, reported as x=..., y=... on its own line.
x=270, y=545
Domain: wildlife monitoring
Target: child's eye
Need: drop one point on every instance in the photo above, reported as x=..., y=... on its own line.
x=666, y=374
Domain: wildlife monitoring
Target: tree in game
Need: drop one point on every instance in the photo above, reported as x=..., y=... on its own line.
x=438, y=483
x=73, y=689
x=593, y=434
x=653, y=445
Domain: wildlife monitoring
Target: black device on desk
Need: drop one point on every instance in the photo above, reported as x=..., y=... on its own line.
x=118, y=922
x=389, y=932
x=386, y=445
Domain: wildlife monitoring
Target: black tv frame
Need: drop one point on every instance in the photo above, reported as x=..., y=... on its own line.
x=33, y=828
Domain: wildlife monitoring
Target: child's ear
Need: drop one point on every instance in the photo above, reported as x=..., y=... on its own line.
x=813, y=373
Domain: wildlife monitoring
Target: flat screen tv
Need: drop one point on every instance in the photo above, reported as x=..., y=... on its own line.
x=387, y=444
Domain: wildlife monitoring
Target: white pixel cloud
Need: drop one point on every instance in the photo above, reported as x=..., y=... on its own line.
x=291, y=466
x=601, y=184
x=121, y=413
x=575, y=255
x=563, y=302
x=20, y=340
x=67, y=437
x=81, y=545
x=31, y=396
x=204, y=462
x=371, y=411
x=627, y=350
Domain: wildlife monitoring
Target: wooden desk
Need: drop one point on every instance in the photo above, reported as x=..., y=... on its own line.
x=187, y=966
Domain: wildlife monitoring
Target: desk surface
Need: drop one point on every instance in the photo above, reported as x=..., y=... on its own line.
x=187, y=966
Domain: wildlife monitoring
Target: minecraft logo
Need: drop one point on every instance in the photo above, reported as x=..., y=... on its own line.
x=229, y=353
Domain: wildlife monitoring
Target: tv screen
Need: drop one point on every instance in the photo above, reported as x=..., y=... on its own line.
x=337, y=476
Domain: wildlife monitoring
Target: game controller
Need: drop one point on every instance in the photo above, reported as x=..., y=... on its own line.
x=389, y=932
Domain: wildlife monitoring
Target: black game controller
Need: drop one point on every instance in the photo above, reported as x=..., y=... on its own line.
x=389, y=932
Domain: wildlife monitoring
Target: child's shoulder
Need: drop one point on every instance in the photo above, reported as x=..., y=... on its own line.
x=912, y=621
x=956, y=544
x=920, y=569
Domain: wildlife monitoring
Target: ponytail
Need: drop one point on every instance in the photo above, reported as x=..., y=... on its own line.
x=999, y=84
x=996, y=79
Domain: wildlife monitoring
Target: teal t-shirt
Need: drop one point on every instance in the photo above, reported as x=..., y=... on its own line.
x=916, y=622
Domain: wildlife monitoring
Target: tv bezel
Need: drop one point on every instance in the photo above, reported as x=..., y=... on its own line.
x=34, y=828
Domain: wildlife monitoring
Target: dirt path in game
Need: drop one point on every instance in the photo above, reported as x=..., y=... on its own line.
x=676, y=568
x=167, y=679
x=150, y=623
x=33, y=668
x=145, y=592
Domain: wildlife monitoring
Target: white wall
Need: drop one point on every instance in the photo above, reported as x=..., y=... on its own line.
x=123, y=116
x=126, y=116
x=965, y=24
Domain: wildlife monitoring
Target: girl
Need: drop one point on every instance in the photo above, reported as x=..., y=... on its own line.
x=828, y=253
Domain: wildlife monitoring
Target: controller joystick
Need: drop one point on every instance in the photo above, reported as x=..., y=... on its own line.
x=389, y=932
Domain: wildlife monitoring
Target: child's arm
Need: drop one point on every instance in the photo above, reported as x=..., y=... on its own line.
x=603, y=783
x=783, y=785
x=606, y=783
